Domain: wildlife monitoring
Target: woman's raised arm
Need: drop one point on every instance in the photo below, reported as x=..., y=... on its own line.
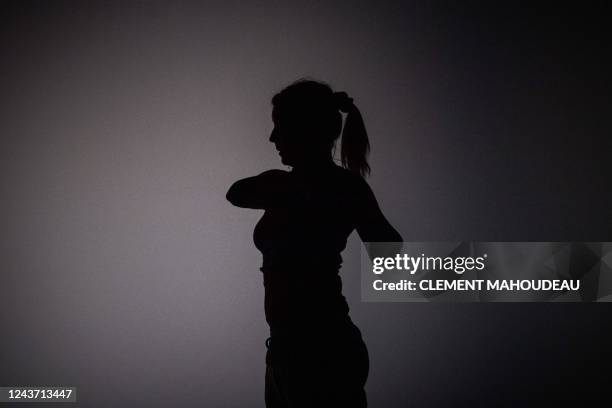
x=257, y=192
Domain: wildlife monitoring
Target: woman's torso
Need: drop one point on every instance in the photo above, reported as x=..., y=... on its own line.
x=301, y=236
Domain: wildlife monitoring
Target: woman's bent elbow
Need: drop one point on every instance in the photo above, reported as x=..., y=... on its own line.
x=242, y=197
x=232, y=195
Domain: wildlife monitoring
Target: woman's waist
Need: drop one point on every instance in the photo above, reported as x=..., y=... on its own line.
x=332, y=328
x=302, y=281
x=298, y=260
x=292, y=311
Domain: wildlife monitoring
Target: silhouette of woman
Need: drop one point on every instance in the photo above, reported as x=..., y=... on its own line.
x=316, y=356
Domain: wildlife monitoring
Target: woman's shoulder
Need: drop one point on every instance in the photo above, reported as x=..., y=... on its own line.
x=353, y=181
x=272, y=175
x=274, y=172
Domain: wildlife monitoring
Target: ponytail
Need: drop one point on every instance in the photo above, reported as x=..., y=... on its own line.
x=355, y=143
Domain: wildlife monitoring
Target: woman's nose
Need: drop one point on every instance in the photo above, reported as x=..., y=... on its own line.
x=273, y=136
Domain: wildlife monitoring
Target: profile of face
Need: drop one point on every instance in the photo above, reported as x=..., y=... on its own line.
x=288, y=140
x=299, y=139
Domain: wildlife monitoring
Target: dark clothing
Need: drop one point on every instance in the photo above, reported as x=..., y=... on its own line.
x=303, y=231
x=316, y=356
x=329, y=368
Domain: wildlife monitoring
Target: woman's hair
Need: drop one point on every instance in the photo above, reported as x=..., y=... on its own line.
x=316, y=109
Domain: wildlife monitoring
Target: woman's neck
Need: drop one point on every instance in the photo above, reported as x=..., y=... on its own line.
x=314, y=165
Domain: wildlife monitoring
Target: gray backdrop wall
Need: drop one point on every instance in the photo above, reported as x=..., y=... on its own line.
x=126, y=273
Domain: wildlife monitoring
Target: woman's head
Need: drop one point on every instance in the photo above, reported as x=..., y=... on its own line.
x=308, y=121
